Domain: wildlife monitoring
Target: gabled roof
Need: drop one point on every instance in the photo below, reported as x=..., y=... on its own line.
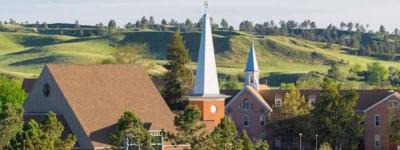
x=367, y=98
x=252, y=64
x=254, y=93
x=99, y=94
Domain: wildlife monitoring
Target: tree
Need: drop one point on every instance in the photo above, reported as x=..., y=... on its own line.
x=144, y=22
x=164, y=22
x=225, y=135
x=10, y=93
x=76, y=25
x=247, y=143
x=45, y=135
x=10, y=123
x=355, y=72
x=224, y=23
x=152, y=21
x=396, y=31
x=292, y=118
x=382, y=29
x=393, y=127
x=377, y=73
x=112, y=25
x=189, y=26
x=335, y=119
x=190, y=128
x=335, y=73
x=127, y=54
x=246, y=26
x=325, y=146
x=262, y=145
x=130, y=127
x=179, y=78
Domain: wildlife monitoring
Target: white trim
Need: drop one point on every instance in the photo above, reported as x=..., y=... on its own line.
x=234, y=98
x=376, y=104
x=262, y=101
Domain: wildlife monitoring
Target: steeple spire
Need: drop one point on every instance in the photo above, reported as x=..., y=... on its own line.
x=205, y=6
x=206, y=83
x=252, y=64
x=251, y=72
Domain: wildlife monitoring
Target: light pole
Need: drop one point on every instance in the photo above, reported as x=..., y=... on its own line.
x=300, y=140
x=316, y=141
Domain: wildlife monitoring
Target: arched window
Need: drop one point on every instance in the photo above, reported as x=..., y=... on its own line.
x=246, y=104
x=246, y=121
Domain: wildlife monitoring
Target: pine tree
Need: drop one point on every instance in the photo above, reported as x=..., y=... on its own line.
x=45, y=135
x=224, y=23
x=190, y=128
x=10, y=123
x=334, y=117
x=225, y=135
x=129, y=126
x=262, y=145
x=178, y=79
x=247, y=143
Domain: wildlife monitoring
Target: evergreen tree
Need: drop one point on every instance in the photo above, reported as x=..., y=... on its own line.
x=335, y=73
x=225, y=135
x=178, y=79
x=130, y=127
x=262, y=145
x=190, y=128
x=334, y=117
x=76, y=25
x=164, y=22
x=112, y=25
x=224, y=23
x=247, y=143
x=44, y=136
x=10, y=123
x=382, y=29
x=152, y=21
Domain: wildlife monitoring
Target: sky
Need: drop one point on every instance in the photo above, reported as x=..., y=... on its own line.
x=323, y=12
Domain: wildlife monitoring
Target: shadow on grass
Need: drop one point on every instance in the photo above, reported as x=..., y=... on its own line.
x=41, y=60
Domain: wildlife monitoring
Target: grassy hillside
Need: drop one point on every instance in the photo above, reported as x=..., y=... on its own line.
x=24, y=54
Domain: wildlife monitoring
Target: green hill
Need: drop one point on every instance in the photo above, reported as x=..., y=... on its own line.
x=25, y=54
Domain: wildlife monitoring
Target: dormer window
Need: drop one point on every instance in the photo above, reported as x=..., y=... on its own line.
x=393, y=104
x=278, y=101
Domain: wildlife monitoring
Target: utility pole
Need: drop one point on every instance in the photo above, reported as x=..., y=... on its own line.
x=316, y=141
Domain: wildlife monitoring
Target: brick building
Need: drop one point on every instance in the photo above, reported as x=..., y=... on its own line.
x=250, y=106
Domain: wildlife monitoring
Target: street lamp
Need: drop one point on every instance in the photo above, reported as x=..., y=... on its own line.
x=300, y=140
x=316, y=141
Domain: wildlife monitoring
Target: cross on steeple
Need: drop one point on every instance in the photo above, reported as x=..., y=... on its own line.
x=205, y=5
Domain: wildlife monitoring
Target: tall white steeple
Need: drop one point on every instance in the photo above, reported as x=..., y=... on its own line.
x=206, y=83
x=252, y=72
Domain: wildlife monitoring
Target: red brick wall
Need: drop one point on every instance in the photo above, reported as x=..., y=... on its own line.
x=254, y=130
x=206, y=114
x=371, y=130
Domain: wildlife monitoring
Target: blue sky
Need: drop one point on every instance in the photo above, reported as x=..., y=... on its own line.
x=324, y=12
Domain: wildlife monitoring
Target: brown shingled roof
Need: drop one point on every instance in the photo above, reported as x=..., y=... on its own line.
x=367, y=97
x=99, y=94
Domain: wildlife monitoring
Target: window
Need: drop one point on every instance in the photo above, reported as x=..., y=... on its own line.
x=46, y=90
x=246, y=104
x=393, y=104
x=377, y=120
x=246, y=121
x=262, y=120
x=278, y=101
x=377, y=141
x=312, y=99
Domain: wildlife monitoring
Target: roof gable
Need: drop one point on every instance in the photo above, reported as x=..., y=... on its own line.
x=254, y=93
x=99, y=94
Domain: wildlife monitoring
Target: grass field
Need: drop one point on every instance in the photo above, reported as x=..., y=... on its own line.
x=25, y=54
